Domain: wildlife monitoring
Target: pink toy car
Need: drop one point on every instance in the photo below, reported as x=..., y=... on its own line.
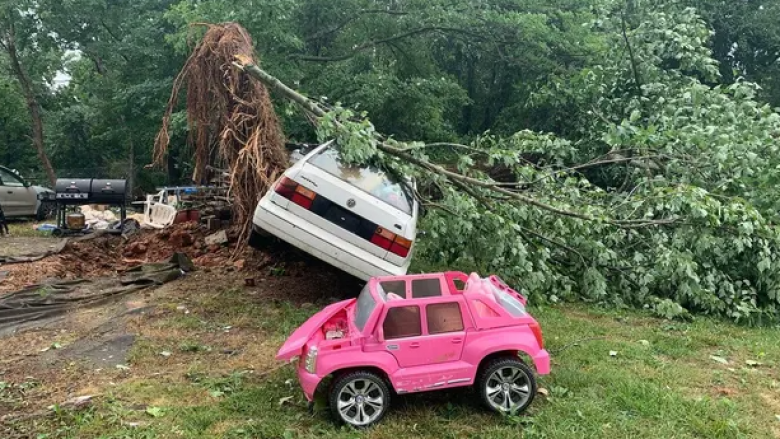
x=420, y=333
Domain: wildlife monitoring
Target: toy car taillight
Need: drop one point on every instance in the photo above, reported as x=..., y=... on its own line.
x=537, y=331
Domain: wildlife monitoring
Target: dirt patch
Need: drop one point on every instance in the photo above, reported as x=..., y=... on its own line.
x=148, y=337
x=109, y=254
x=156, y=336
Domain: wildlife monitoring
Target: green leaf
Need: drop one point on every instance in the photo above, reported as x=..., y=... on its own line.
x=155, y=412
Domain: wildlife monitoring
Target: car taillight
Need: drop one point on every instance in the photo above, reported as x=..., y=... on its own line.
x=537, y=331
x=383, y=238
x=401, y=247
x=296, y=193
x=390, y=241
x=285, y=187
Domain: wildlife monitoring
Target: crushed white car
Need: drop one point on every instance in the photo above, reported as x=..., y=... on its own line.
x=357, y=218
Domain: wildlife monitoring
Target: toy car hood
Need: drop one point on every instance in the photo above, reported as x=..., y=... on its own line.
x=295, y=343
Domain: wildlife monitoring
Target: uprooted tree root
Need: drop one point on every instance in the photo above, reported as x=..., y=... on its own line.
x=231, y=120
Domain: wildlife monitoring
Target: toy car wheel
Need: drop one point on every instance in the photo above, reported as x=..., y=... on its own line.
x=507, y=385
x=359, y=399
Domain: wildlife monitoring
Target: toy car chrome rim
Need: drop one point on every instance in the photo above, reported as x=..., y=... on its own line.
x=508, y=389
x=361, y=402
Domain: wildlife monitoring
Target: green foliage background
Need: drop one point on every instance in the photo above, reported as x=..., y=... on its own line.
x=653, y=121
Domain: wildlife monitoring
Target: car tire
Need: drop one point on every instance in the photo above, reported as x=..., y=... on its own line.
x=359, y=399
x=45, y=211
x=506, y=385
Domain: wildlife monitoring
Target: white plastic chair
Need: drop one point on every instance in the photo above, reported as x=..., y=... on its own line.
x=158, y=215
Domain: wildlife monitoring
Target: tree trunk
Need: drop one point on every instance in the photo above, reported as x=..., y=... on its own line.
x=130, y=156
x=32, y=106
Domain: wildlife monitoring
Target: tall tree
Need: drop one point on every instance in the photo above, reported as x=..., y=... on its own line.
x=19, y=36
x=746, y=41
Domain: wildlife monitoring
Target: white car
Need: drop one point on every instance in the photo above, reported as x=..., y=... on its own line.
x=358, y=219
x=19, y=198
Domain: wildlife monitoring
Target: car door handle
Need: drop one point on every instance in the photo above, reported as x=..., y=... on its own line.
x=414, y=345
x=11, y=192
x=457, y=340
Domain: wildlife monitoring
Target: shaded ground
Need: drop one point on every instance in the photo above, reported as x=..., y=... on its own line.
x=194, y=359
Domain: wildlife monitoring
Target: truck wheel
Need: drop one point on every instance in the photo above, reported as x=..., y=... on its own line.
x=507, y=385
x=359, y=399
x=45, y=211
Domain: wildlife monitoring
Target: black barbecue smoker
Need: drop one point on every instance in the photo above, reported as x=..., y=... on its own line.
x=69, y=193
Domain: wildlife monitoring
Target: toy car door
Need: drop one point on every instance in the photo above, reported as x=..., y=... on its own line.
x=417, y=340
x=446, y=332
x=401, y=333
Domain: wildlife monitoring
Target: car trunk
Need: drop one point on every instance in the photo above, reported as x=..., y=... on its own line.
x=352, y=215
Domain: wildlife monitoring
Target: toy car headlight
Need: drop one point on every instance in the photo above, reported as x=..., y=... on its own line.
x=310, y=363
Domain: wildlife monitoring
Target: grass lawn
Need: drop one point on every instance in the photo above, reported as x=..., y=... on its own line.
x=24, y=229
x=704, y=379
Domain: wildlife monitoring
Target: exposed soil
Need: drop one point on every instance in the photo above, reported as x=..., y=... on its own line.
x=87, y=350
x=110, y=254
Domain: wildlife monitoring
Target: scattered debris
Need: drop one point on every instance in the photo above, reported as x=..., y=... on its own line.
x=218, y=238
x=47, y=300
x=644, y=342
x=613, y=353
x=76, y=403
x=544, y=392
x=285, y=400
x=720, y=360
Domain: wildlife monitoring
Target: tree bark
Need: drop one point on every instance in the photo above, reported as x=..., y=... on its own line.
x=33, y=106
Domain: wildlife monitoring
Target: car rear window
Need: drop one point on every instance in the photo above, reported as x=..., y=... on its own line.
x=366, y=178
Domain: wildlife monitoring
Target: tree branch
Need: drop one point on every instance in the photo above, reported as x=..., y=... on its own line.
x=371, y=44
x=343, y=24
x=115, y=38
x=459, y=179
x=634, y=66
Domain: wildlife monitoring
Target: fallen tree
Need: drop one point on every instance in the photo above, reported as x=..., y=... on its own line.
x=600, y=239
x=685, y=230
x=231, y=120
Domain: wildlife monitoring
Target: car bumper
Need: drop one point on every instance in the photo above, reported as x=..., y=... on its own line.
x=542, y=362
x=321, y=244
x=309, y=383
